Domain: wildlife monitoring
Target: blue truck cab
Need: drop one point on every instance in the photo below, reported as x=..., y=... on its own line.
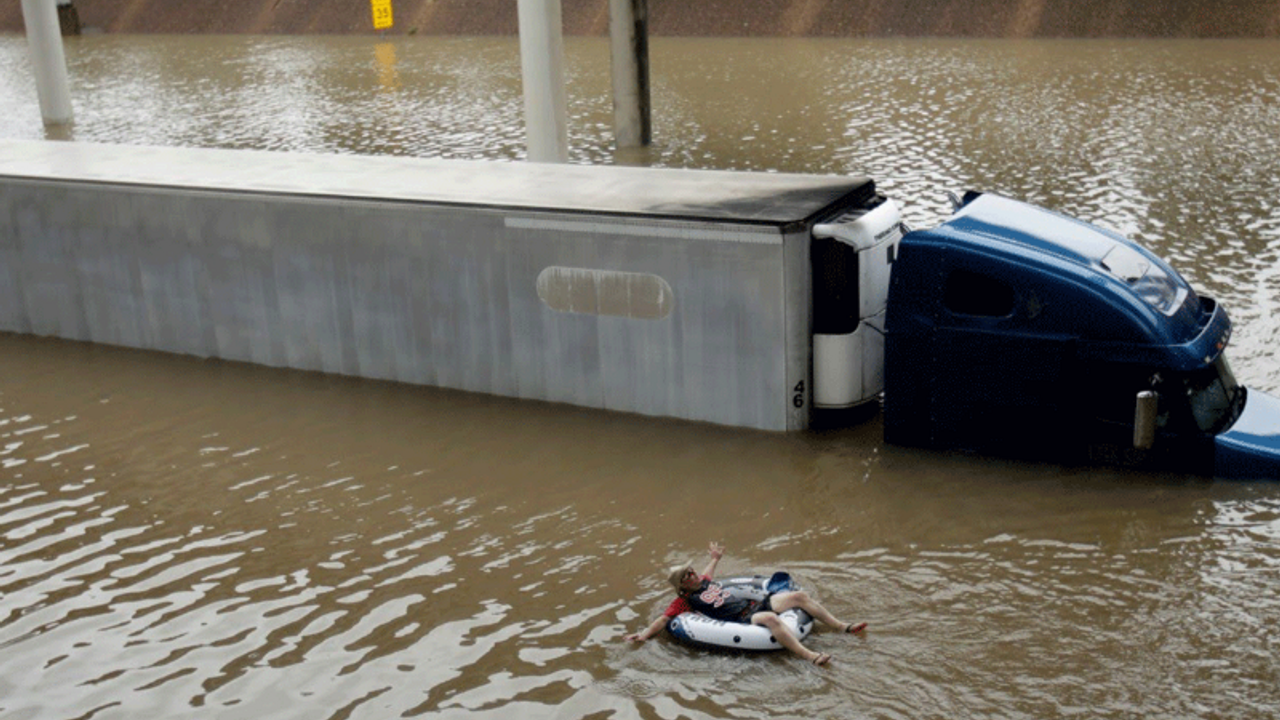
x=1017, y=331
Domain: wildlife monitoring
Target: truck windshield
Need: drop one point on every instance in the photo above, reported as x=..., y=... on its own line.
x=1148, y=281
x=1215, y=397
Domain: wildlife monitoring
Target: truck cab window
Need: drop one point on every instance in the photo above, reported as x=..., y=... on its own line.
x=970, y=293
x=1149, y=282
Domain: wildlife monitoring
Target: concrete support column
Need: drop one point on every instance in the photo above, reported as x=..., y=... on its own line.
x=44, y=38
x=629, y=46
x=68, y=18
x=542, y=65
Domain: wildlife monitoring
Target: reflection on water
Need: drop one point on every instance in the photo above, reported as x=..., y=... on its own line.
x=179, y=538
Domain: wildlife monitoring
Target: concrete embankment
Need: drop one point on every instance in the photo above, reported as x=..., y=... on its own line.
x=813, y=18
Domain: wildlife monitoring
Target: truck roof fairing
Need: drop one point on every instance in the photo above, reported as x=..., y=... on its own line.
x=1082, y=280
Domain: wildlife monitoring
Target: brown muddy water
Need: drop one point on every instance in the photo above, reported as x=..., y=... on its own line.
x=183, y=538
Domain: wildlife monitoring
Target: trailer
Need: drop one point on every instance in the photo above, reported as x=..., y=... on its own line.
x=744, y=299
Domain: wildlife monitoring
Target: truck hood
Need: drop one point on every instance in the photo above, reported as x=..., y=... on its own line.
x=1250, y=450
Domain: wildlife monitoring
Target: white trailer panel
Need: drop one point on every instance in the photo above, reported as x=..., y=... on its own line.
x=664, y=292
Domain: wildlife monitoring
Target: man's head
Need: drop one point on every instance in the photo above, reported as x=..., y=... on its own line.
x=684, y=578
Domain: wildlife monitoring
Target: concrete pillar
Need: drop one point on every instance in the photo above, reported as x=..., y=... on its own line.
x=629, y=46
x=68, y=18
x=542, y=65
x=44, y=38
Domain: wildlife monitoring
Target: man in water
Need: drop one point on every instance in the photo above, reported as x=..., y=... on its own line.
x=699, y=593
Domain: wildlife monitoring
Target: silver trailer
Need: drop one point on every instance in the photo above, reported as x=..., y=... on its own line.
x=687, y=294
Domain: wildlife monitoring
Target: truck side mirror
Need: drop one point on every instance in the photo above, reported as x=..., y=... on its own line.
x=1144, y=420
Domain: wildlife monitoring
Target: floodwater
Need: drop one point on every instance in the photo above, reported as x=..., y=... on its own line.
x=186, y=538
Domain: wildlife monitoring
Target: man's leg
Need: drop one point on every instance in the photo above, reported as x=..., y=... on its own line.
x=788, y=639
x=781, y=602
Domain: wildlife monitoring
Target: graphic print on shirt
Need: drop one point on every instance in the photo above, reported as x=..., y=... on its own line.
x=714, y=595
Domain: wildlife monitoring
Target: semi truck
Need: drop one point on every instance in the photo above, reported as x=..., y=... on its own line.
x=757, y=300
x=1018, y=331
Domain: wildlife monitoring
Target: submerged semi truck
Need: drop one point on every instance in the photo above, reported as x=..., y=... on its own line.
x=748, y=299
x=1018, y=331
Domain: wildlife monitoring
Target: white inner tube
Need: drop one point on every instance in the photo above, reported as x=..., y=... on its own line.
x=698, y=629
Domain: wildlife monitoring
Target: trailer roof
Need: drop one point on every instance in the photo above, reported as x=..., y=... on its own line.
x=737, y=197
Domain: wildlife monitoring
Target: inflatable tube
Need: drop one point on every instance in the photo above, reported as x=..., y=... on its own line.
x=702, y=631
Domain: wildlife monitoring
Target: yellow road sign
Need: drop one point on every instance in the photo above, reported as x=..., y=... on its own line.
x=381, y=14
